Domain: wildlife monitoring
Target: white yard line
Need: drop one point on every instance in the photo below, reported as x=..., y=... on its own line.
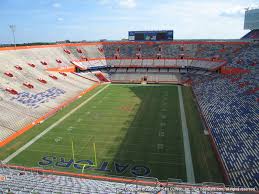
x=24, y=147
x=186, y=142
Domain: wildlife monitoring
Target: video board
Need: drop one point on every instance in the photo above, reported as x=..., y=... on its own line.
x=166, y=35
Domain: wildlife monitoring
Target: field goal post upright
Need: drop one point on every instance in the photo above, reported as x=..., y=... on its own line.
x=84, y=165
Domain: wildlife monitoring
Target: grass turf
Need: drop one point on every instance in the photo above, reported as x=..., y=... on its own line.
x=133, y=126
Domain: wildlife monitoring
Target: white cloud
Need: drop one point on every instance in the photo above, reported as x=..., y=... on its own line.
x=127, y=3
x=56, y=5
x=233, y=11
x=60, y=19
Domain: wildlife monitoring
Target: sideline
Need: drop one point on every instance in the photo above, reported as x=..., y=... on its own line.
x=186, y=142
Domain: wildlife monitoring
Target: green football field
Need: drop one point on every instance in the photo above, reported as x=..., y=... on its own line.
x=136, y=130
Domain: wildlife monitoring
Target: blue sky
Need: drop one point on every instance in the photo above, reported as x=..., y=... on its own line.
x=52, y=20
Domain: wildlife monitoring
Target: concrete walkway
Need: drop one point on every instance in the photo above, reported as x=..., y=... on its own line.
x=186, y=142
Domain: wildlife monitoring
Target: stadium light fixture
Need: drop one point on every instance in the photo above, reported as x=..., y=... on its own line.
x=13, y=28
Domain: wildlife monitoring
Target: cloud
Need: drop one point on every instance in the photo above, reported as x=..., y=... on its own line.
x=121, y=18
x=56, y=5
x=60, y=19
x=127, y=3
x=237, y=11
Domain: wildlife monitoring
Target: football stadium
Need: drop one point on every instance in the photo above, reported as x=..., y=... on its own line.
x=146, y=114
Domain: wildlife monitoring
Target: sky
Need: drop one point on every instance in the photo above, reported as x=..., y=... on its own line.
x=75, y=20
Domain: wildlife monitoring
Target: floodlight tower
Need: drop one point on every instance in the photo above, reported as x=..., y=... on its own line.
x=13, y=27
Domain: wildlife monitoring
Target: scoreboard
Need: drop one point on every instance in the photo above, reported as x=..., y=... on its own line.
x=165, y=35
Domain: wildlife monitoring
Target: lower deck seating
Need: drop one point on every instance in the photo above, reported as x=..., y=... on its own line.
x=150, y=77
x=28, y=182
x=231, y=113
x=233, y=120
x=18, y=181
x=27, y=104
